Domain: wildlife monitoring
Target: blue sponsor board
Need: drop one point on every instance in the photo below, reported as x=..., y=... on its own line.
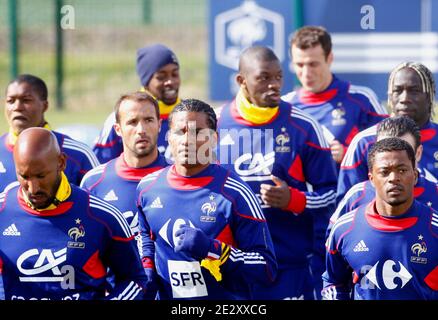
x=370, y=37
x=235, y=25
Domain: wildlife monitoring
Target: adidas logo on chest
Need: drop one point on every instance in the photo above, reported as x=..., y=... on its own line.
x=111, y=196
x=11, y=231
x=361, y=247
x=156, y=203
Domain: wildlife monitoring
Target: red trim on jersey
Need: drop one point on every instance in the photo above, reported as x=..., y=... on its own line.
x=148, y=263
x=226, y=236
x=427, y=134
x=351, y=135
x=63, y=207
x=123, y=239
x=164, y=116
x=9, y=147
x=236, y=116
x=250, y=217
x=356, y=164
x=432, y=279
x=94, y=266
x=310, y=98
x=1, y=265
x=134, y=174
x=179, y=182
x=382, y=223
x=418, y=191
x=355, y=277
x=108, y=144
x=313, y=145
x=296, y=169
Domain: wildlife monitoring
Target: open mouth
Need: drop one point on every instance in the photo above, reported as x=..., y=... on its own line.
x=19, y=118
x=169, y=93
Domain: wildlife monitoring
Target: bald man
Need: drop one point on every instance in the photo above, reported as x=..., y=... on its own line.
x=279, y=150
x=58, y=241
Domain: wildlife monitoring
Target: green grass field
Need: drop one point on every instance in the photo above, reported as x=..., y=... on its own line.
x=100, y=53
x=93, y=84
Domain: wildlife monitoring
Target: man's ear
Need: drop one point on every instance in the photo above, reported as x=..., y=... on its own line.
x=117, y=129
x=46, y=106
x=240, y=79
x=416, y=175
x=62, y=161
x=370, y=177
x=330, y=58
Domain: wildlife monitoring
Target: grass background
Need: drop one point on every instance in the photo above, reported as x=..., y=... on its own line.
x=100, y=52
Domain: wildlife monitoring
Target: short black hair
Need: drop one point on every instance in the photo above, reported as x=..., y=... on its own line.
x=138, y=96
x=388, y=145
x=37, y=84
x=260, y=53
x=195, y=105
x=398, y=127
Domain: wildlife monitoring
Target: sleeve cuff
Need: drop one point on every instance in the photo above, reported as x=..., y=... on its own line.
x=297, y=201
x=215, y=251
x=147, y=263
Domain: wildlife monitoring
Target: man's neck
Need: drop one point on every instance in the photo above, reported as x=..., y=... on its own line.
x=134, y=161
x=326, y=84
x=423, y=123
x=386, y=210
x=188, y=171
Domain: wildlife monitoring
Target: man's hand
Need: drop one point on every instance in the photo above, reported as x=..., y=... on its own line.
x=276, y=196
x=192, y=241
x=337, y=150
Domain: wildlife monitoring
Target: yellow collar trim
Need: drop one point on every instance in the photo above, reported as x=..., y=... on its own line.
x=64, y=191
x=13, y=136
x=165, y=109
x=253, y=113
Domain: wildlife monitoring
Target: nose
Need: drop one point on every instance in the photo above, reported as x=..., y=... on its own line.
x=140, y=128
x=168, y=81
x=33, y=186
x=394, y=176
x=404, y=96
x=306, y=72
x=275, y=84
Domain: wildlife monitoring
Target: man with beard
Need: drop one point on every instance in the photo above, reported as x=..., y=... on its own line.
x=158, y=70
x=58, y=241
x=138, y=124
x=281, y=153
x=387, y=249
x=411, y=93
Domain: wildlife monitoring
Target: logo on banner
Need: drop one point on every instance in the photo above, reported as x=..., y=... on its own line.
x=244, y=26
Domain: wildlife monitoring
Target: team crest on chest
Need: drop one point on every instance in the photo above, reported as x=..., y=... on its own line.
x=419, y=248
x=338, y=115
x=75, y=233
x=208, y=209
x=281, y=140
